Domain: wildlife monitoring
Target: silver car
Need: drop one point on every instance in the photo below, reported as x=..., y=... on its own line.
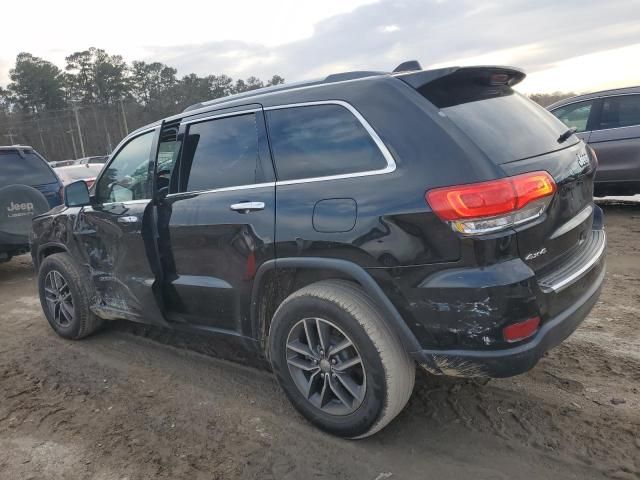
x=609, y=121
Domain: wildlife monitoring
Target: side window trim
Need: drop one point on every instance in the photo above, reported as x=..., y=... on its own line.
x=391, y=164
x=123, y=143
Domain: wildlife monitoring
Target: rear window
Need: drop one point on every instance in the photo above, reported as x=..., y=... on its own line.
x=319, y=141
x=27, y=169
x=504, y=124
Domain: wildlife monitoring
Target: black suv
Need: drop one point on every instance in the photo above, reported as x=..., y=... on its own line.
x=28, y=187
x=348, y=229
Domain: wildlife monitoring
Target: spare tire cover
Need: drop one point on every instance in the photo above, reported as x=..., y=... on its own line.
x=18, y=205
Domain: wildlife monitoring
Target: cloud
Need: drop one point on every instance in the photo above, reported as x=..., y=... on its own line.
x=535, y=35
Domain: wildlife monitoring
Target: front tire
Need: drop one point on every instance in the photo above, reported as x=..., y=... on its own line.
x=65, y=296
x=338, y=362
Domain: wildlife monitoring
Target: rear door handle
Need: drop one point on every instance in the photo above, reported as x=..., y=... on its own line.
x=246, y=207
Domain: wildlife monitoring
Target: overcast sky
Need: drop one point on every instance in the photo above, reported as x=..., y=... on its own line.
x=577, y=45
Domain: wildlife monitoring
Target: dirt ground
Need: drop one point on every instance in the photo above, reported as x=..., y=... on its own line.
x=138, y=403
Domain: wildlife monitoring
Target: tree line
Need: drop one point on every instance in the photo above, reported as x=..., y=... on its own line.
x=87, y=107
x=94, y=76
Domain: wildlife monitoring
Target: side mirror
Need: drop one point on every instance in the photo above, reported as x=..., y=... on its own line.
x=76, y=194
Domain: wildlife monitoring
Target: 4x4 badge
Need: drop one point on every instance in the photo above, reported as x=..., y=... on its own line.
x=537, y=254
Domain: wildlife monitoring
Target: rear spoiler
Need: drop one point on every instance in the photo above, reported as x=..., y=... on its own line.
x=480, y=75
x=451, y=86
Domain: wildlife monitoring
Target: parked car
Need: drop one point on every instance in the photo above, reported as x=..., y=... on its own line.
x=609, y=121
x=28, y=187
x=62, y=163
x=99, y=159
x=72, y=173
x=348, y=229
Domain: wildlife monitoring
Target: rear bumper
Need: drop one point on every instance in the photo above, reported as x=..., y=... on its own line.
x=516, y=360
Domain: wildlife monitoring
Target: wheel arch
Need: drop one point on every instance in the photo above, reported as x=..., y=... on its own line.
x=49, y=249
x=266, y=280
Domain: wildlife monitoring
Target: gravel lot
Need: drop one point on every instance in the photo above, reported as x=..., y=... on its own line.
x=134, y=402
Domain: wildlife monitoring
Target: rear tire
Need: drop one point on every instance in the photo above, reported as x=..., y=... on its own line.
x=352, y=402
x=66, y=296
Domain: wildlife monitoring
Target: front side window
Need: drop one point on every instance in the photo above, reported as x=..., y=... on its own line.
x=127, y=176
x=575, y=115
x=221, y=153
x=622, y=111
x=320, y=140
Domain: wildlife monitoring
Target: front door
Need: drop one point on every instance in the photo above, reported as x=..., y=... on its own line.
x=116, y=234
x=217, y=223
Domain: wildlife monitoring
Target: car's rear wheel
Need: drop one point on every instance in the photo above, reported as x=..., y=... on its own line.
x=65, y=296
x=337, y=360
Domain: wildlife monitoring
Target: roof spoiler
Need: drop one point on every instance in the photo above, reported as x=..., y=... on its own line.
x=485, y=75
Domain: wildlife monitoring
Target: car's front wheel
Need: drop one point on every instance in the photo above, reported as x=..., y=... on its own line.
x=338, y=362
x=65, y=296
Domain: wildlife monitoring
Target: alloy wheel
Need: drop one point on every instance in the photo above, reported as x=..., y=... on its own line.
x=58, y=297
x=326, y=366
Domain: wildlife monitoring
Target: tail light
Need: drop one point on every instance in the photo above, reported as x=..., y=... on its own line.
x=521, y=330
x=487, y=207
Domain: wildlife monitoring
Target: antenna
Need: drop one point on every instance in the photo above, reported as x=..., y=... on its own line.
x=408, y=66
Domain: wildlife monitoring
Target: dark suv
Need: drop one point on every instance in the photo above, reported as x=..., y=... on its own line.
x=348, y=229
x=28, y=187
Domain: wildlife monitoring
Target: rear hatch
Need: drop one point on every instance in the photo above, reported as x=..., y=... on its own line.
x=519, y=136
x=24, y=166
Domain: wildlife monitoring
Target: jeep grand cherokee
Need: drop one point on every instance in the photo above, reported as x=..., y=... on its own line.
x=348, y=229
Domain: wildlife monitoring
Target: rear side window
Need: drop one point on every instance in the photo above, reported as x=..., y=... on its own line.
x=27, y=169
x=622, y=111
x=575, y=115
x=320, y=140
x=221, y=153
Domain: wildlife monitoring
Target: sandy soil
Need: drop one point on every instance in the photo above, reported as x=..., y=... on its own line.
x=134, y=403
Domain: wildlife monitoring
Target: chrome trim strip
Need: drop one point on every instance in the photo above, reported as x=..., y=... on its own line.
x=225, y=189
x=220, y=115
x=128, y=202
x=391, y=164
x=573, y=223
x=565, y=282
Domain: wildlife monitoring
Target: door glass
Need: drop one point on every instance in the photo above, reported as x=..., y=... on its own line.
x=127, y=176
x=622, y=111
x=221, y=153
x=575, y=115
